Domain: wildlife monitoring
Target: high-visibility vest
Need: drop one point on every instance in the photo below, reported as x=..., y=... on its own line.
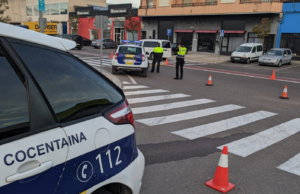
x=182, y=51
x=158, y=50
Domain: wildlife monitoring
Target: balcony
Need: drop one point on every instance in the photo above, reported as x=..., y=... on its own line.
x=148, y=7
x=195, y=4
x=260, y=1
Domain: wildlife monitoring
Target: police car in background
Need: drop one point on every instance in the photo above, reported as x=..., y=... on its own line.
x=130, y=56
x=64, y=127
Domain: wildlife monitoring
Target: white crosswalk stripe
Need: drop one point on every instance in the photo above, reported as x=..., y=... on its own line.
x=189, y=115
x=216, y=127
x=292, y=165
x=127, y=83
x=249, y=145
x=145, y=92
x=169, y=106
x=155, y=98
x=134, y=87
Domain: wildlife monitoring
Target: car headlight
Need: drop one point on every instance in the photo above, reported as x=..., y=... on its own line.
x=274, y=60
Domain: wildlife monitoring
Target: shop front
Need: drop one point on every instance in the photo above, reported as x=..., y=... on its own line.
x=118, y=25
x=206, y=40
x=185, y=37
x=50, y=29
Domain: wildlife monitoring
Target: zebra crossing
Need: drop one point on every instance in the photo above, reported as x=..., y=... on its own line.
x=243, y=147
x=95, y=61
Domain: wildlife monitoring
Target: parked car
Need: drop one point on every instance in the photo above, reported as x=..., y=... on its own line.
x=150, y=44
x=77, y=38
x=65, y=127
x=86, y=41
x=107, y=43
x=175, y=48
x=247, y=52
x=277, y=57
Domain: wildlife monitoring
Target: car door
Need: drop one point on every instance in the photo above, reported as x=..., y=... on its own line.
x=31, y=150
x=289, y=52
x=285, y=58
x=259, y=51
x=114, y=44
x=253, y=54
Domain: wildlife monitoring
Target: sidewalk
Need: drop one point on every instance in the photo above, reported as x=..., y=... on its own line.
x=204, y=57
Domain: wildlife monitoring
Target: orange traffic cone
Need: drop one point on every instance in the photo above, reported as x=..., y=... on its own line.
x=284, y=93
x=112, y=55
x=209, y=83
x=220, y=181
x=166, y=63
x=273, y=75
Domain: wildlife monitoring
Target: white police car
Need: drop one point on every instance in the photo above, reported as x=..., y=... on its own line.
x=130, y=56
x=64, y=127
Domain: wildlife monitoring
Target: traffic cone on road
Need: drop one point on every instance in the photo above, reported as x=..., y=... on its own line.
x=273, y=75
x=166, y=63
x=209, y=83
x=284, y=93
x=112, y=55
x=220, y=181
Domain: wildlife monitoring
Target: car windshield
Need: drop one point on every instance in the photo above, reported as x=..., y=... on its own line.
x=244, y=49
x=130, y=50
x=275, y=52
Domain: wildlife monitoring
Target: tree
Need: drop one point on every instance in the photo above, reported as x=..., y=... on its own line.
x=264, y=29
x=131, y=24
x=4, y=6
x=74, y=21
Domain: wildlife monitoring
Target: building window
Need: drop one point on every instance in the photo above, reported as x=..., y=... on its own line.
x=36, y=10
x=47, y=9
x=163, y=3
x=29, y=10
x=55, y=9
x=252, y=37
x=291, y=41
x=63, y=8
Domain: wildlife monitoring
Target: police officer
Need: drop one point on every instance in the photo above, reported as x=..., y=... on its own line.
x=158, y=53
x=180, y=60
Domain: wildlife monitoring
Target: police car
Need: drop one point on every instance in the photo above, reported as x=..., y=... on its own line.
x=130, y=56
x=64, y=127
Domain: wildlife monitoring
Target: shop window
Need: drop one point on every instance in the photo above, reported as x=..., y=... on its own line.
x=36, y=10
x=206, y=42
x=163, y=3
x=55, y=9
x=252, y=37
x=47, y=9
x=291, y=41
x=63, y=8
x=29, y=10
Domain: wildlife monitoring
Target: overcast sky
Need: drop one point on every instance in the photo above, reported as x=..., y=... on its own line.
x=135, y=3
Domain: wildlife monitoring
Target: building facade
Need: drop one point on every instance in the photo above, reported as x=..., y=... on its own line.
x=289, y=28
x=117, y=22
x=196, y=23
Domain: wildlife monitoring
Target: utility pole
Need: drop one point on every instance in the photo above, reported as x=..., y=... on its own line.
x=101, y=42
x=41, y=22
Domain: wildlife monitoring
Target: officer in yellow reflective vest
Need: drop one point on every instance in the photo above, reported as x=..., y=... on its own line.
x=158, y=53
x=180, y=61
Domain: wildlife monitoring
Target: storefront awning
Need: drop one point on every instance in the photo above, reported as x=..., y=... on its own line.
x=189, y=31
x=234, y=31
x=206, y=31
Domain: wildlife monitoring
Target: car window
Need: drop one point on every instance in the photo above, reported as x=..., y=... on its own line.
x=73, y=90
x=130, y=50
x=254, y=49
x=151, y=44
x=166, y=44
x=285, y=52
x=111, y=40
x=259, y=48
x=275, y=52
x=289, y=52
x=244, y=49
x=14, y=115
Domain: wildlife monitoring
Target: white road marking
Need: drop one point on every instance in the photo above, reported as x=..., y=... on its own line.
x=292, y=165
x=169, y=106
x=189, y=115
x=145, y=92
x=131, y=79
x=216, y=127
x=98, y=64
x=249, y=145
x=127, y=83
x=155, y=98
x=134, y=87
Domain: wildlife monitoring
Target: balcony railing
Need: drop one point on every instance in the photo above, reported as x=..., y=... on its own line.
x=195, y=4
x=148, y=7
x=259, y=1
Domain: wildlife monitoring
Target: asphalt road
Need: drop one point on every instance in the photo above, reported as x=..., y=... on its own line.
x=242, y=110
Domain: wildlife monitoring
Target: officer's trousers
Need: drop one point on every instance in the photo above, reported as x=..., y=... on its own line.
x=179, y=63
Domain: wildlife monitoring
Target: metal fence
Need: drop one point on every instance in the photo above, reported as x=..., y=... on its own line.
x=260, y=1
x=148, y=7
x=195, y=4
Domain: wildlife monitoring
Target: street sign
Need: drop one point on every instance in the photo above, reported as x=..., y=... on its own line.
x=169, y=32
x=41, y=5
x=222, y=32
x=98, y=22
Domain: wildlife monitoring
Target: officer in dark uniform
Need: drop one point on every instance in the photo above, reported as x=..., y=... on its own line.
x=158, y=53
x=180, y=61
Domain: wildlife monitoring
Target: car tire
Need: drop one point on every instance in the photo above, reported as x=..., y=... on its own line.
x=232, y=61
x=102, y=191
x=144, y=73
x=152, y=56
x=114, y=71
x=279, y=64
x=103, y=46
x=248, y=61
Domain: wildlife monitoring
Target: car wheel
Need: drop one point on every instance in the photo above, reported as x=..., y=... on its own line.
x=103, y=46
x=114, y=70
x=152, y=56
x=248, y=61
x=144, y=73
x=279, y=64
x=291, y=62
x=102, y=191
x=79, y=48
x=232, y=61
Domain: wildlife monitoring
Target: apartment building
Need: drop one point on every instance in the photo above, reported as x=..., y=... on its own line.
x=196, y=23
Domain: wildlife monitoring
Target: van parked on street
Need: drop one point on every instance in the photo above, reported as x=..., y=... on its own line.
x=150, y=44
x=247, y=52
